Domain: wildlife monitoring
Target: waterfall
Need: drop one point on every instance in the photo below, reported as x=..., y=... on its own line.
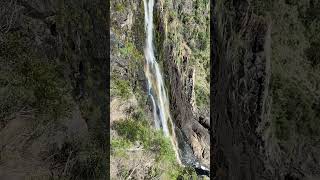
x=156, y=88
x=157, y=91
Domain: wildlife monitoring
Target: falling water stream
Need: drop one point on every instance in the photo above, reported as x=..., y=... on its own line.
x=156, y=88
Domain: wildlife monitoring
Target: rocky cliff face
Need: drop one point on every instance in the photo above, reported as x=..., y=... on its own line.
x=255, y=123
x=184, y=52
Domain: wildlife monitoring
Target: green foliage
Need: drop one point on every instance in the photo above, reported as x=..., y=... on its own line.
x=312, y=24
x=139, y=115
x=134, y=56
x=119, y=145
x=166, y=166
x=202, y=87
x=126, y=88
x=204, y=40
x=133, y=130
x=136, y=131
x=120, y=88
x=179, y=173
x=119, y=7
x=261, y=7
x=187, y=173
x=159, y=38
x=202, y=96
x=124, y=173
x=130, y=50
x=166, y=152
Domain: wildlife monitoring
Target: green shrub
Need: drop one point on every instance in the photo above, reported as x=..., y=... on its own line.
x=119, y=145
x=204, y=40
x=151, y=139
x=119, y=7
x=135, y=131
x=132, y=130
x=179, y=173
x=202, y=96
x=120, y=88
x=187, y=173
x=130, y=50
x=166, y=152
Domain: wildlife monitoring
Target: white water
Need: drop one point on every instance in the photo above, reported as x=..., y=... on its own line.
x=161, y=113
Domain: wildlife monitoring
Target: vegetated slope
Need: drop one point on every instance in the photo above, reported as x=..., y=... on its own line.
x=266, y=90
x=53, y=58
x=137, y=150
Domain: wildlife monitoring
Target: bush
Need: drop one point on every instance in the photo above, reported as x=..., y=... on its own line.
x=120, y=88
x=130, y=50
x=119, y=7
x=187, y=173
x=202, y=97
x=135, y=131
x=119, y=146
x=203, y=40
